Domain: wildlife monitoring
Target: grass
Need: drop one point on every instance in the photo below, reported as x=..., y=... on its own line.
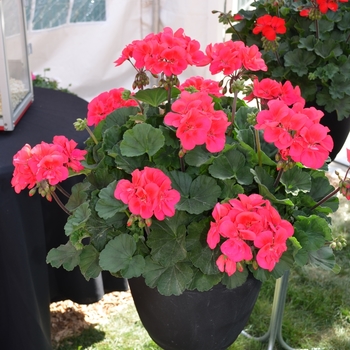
x=317, y=312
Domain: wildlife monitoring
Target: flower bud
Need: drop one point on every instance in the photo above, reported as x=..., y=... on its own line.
x=126, y=94
x=239, y=267
x=32, y=192
x=80, y=124
x=255, y=265
x=344, y=186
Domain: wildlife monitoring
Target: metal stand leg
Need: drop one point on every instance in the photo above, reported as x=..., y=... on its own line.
x=275, y=329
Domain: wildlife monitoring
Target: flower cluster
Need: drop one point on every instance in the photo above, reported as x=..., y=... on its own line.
x=252, y=231
x=149, y=193
x=105, y=103
x=198, y=83
x=232, y=56
x=167, y=52
x=269, y=26
x=49, y=162
x=316, y=8
x=296, y=131
x=197, y=122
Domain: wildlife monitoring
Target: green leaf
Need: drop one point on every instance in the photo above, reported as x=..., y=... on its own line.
x=340, y=86
x=78, y=219
x=299, y=60
x=311, y=232
x=324, y=258
x=231, y=164
x=119, y=117
x=107, y=206
x=200, y=254
x=236, y=280
x=328, y=48
x=118, y=255
x=89, y=266
x=78, y=195
x=198, y=195
x=171, y=280
x=77, y=237
x=167, y=242
x=307, y=43
x=295, y=180
x=128, y=164
x=231, y=189
x=203, y=282
x=135, y=267
x=153, y=97
x=197, y=157
x=65, y=255
x=141, y=139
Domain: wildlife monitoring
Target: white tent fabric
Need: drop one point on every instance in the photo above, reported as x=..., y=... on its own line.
x=82, y=54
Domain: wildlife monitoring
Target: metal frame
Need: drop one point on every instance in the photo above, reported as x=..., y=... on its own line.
x=11, y=117
x=275, y=329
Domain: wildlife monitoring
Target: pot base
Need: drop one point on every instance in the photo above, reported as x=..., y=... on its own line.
x=195, y=320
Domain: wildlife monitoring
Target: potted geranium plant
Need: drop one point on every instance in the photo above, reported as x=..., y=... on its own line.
x=306, y=42
x=188, y=191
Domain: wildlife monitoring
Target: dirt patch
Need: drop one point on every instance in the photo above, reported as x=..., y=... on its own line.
x=70, y=319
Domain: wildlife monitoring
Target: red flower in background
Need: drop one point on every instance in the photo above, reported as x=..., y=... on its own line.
x=325, y=5
x=269, y=26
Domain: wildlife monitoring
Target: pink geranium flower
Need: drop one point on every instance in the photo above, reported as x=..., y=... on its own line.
x=250, y=228
x=200, y=84
x=148, y=193
x=105, y=103
x=198, y=122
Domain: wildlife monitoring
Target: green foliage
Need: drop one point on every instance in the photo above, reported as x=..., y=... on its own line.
x=313, y=54
x=49, y=83
x=173, y=254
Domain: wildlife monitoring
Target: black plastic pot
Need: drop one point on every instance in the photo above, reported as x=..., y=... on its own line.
x=195, y=320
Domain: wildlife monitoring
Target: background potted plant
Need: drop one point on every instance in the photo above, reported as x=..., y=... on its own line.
x=308, y=43
x=189, y=192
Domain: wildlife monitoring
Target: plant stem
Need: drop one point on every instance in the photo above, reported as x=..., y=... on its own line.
x=278, y=178
x=317, y=29
x=91, y=134
x=234, y=106
x=234, y=29
x=59, y=202
x=258, y=146
x=62, y=190
x=325, y=198
x=182, y=164
x=278, y=58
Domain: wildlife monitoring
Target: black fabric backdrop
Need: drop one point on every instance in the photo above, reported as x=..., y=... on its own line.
x=30, y=226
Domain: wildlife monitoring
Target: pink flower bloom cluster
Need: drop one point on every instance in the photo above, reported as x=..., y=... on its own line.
x=197, y=122
x=231, y=56
x=46, y=161
x=149, y=193
x=246, y=225
x=105, y=103
x=269, y=89
x=296, y=132
x=169, y=52
x=200, y=84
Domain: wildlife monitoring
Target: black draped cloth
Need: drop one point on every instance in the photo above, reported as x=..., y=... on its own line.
x=31, y=226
